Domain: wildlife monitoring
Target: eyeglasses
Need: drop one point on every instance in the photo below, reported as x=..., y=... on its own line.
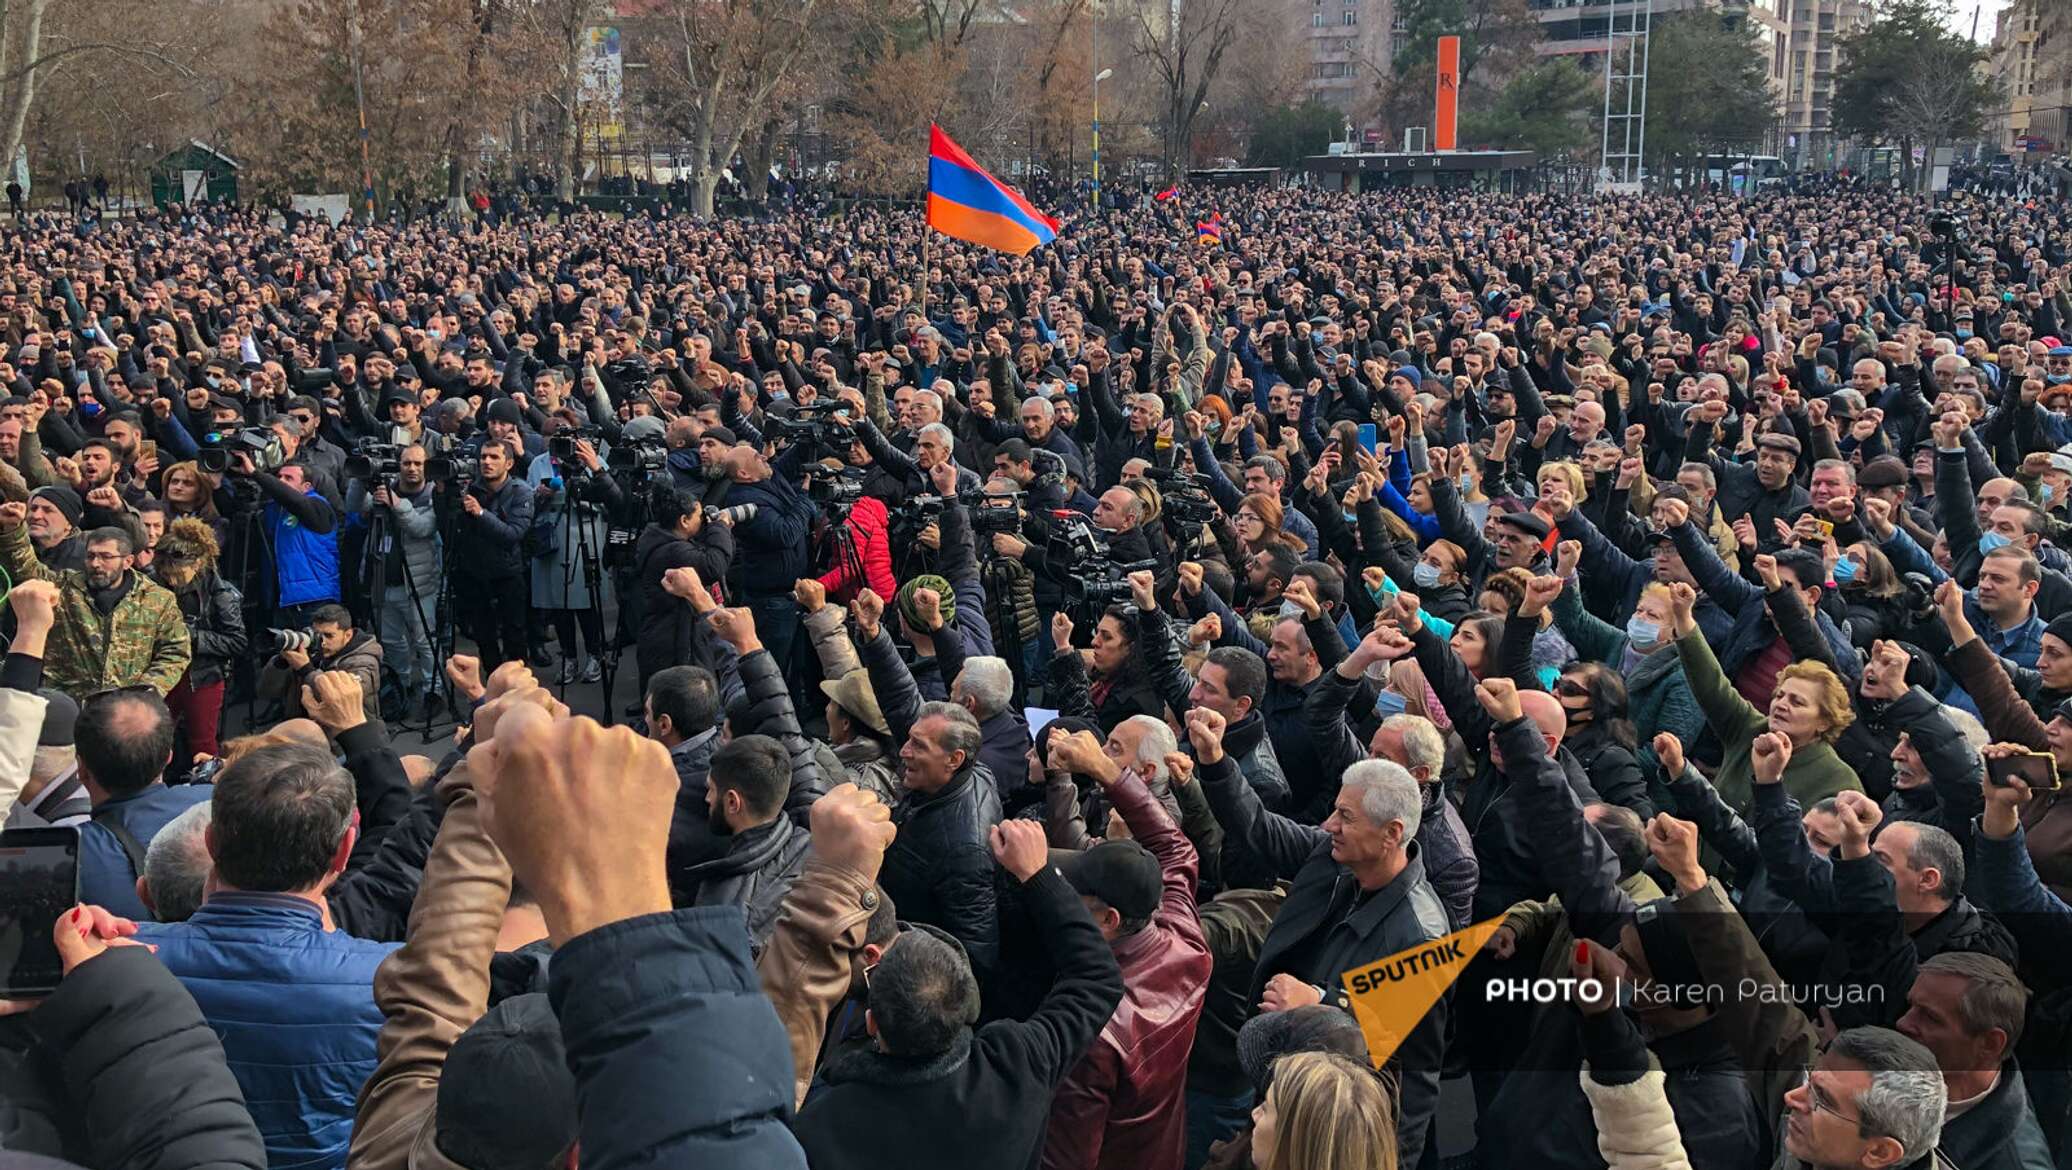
x=1571, y=688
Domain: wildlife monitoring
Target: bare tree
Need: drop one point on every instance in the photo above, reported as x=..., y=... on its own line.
x=728, y=59
x=559, y=28
x=1183, y=45
x=948, y=22
x=39, y=37
x=1942, y=100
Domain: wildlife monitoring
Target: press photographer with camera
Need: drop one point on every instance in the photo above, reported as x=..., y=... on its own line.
x=489, y=584
x=771, y=545
x=679, y=535
x=412, y=571
x=330, y=643
x=571, y=497
x=300, y=525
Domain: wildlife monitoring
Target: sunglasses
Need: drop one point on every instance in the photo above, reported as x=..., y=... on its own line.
x=1571, y=688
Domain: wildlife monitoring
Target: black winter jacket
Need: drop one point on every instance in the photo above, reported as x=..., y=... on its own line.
x=756, y=871
x=1329, y=926
x=1866, y=744
x=487, y=544
x=939, y=869
x=215, y=614
x=678, y=1056
x=766, y=710
x=986, y=1101
x=666, y=621
x=139, y=1076
x=1442, y=838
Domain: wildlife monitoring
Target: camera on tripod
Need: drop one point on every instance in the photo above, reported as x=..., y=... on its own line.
x=458, y=469
x=373, y=460
x=640, y=455
x=219, y=449
x=562, y=446
x=1095, y=580
x=834, y=489
x=1001, y=513
x=1184, y=495
x=821, y=427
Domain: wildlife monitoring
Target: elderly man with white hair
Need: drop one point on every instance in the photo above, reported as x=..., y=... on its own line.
x=985, y=687
x=1359, y=895
x=934, y=443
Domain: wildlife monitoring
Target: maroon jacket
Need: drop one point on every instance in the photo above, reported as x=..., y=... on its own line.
x=1123, y=1105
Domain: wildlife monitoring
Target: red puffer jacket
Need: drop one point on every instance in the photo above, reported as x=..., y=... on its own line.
x=873, y=547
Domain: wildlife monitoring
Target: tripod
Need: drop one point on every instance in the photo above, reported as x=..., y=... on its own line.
x=577, y=550
x=381, y=545
x=248, y=536
x=1000, y=592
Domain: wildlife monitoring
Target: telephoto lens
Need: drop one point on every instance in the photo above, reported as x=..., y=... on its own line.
x=737, y=513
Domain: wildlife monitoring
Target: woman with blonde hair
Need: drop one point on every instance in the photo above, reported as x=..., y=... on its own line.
x=1809, y=706
x=1324, y=1111
x=1568, y=475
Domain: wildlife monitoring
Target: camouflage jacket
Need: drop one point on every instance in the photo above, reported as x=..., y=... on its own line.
x=143, y=641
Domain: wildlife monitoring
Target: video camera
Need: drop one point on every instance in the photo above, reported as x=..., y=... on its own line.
x=821, y=427
x=219, y=449
x=834, y=490
x=1095, y=580
x=1184, y=495
x=1001, y=513
x=645, y=456
x=460, y=469
x=374, y=460
x=562, y=445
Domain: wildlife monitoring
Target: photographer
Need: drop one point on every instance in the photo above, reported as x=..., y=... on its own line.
x=407, y=596
x=333, y=645
x=489, y=573
x=678, y=536
x=570, y=498
x=302, y=530
x=772, y=545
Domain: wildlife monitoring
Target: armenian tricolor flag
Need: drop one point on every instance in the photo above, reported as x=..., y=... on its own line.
x=966, y=203
x=1210, y=230
x=1168, y=193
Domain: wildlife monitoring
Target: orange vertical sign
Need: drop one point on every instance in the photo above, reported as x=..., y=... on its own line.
x=1449, y=94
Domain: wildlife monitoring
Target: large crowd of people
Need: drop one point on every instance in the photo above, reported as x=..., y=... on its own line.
x=1049, y=676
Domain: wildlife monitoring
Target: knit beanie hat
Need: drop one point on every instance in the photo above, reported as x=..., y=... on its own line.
x=64, y=499
x=911, y=611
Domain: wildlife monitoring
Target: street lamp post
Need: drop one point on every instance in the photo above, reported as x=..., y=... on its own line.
x=1099, y=77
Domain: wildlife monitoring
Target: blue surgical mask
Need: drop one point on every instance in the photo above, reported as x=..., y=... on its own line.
x=1426, y=575
x=1467, y=484
x=1291, y=610
x=1964, y=335
x=1642, y=632
x=1389, y=703
x=1992, y=540
x=2044, y=494
x=1846, y=569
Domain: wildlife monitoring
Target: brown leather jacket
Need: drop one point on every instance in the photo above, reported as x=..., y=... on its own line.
x=438, y=983
x=806, y=969
x=1121, y=1106
x=432, y=989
